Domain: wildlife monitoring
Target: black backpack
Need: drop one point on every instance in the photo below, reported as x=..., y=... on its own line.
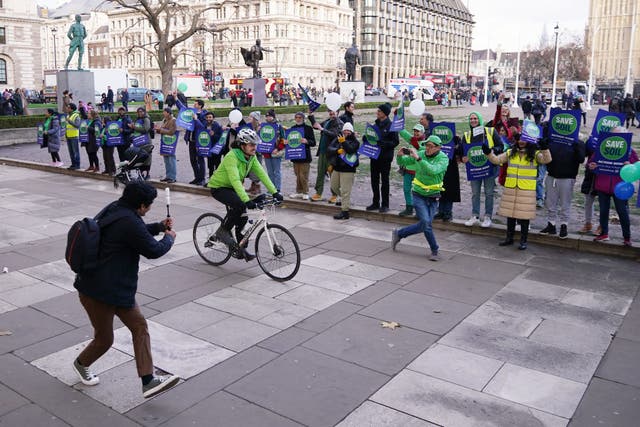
x=83, y=241
x=152, y=132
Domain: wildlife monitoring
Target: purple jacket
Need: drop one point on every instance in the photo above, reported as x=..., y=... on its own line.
x=607, y=183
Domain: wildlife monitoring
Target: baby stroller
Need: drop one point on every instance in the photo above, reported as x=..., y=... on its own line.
x=138, y=160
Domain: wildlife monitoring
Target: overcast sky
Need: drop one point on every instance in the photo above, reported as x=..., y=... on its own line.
x=502, y=23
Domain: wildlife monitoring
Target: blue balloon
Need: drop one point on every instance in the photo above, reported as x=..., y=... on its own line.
x=624, y=190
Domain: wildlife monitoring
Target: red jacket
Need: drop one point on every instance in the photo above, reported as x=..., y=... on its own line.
x=607, y=183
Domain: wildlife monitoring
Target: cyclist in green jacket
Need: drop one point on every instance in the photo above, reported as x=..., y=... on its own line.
x=226, y=185
x=430, y=165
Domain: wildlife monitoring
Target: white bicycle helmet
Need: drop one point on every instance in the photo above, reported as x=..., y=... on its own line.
x=247, y=136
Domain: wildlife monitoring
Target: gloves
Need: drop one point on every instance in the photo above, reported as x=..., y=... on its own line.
x=485, y=149
x=543, y=144
x=341, y=139
x=278, y=196
x=340, y=151
x=250, y=204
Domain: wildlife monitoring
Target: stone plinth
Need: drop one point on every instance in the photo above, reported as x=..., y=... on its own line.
x=352, y=91
x=257, y=88
x=78, y=82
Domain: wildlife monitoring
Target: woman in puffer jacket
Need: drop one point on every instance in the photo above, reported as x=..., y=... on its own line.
x=519, y=197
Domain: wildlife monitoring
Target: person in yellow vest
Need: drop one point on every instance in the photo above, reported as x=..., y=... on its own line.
x=487, y=135
x=430, y=164
x=519, y=197
x=72, y=132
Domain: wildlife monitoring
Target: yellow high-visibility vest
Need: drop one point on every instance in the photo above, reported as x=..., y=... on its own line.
x=521, y=173
x=72, y=131
x=467, y=137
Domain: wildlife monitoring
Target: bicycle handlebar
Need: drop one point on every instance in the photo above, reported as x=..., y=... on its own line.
x=264, y=200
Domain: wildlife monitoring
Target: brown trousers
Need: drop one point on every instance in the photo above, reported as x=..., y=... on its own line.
x=101, y=316
x=302, y=177
x=341, y=184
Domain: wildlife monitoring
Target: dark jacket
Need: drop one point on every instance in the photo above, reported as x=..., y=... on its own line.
x=527, y=106
x=115, y=281
x=451, y=180
x=350, y=146
x=347, y=117
x=388, y=140
x=310, y=136
x=93, y=142
x=330, y=130
x=565, y=160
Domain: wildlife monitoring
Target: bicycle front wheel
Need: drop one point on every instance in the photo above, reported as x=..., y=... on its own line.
x=277, y=252
x=204, y=239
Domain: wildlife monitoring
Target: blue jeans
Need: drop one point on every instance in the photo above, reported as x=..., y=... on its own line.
x=425, y=210
x=273, y=169
x=622, y=208
x=74, y=152
x=542, y=171
x=406, y=188
x=489, y=187
x=170, y=167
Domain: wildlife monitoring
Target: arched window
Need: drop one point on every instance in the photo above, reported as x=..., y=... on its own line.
x=3, y=71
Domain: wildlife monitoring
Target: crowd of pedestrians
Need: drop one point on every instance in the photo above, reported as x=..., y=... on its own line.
x=536, y=176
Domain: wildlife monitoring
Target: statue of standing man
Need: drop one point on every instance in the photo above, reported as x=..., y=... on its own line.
x=253, y=56
x=77, y=33
x=351, y=58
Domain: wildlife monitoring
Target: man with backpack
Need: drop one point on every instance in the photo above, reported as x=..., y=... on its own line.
x=107, y=285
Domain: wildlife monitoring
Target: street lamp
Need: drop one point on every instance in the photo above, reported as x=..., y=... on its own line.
x=555, y=70
x=54, y=30
x=515, y=95
x=486, y=81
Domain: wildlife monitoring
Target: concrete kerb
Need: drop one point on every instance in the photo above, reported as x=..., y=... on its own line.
x=576, y=242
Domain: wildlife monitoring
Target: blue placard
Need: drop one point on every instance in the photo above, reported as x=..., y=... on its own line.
x=40, y=137
x=140, y=139
x=564, y=126
x=83, y=132
x=531, y=132
x=478, y=165
x=186, y=118
x=605, y=121
x=370, y=139
x=203, y=143
x=446, y=131
x=268, y=136
x=313, y=105
x=295, y=149
x=350, y=159
x=114, y=134
x=168, y=144
x=222, y=141
x=398, y=119
x=612, y=151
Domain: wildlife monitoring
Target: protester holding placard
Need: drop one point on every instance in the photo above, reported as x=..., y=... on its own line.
x=214, y=130
x=196, y=120
x=140, y=137
x=479, y=171
x=273, y=133
x=167, y=131
x=107, y=150
x=452, y=147
x=381, y=166
x=612, y=152
x=329, y=130
x=51, y=128
x=568, y=152
x=519, y=197
x=126, y=133
x=301, y=166
x=343, y=156
x=94, y=130
x=409, y=172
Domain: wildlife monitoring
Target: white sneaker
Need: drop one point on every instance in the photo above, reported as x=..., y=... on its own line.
x=472, y=221
x=295, y=196
x=486, y=223
x=305, y=197
x=59, y=164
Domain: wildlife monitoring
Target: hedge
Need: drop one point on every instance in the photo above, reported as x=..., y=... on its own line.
x=13, y=122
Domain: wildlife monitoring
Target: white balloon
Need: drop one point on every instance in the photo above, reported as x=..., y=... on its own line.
x=417, y=107
x=235, y=116
x=333, y=101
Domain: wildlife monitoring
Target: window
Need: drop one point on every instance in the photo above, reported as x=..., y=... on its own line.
x=3, y=71
x=3, y=36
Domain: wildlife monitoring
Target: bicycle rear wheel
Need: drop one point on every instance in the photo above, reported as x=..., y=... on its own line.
x=280, y=257
x=204, y=239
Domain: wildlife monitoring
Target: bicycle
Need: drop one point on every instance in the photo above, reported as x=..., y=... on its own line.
x=277, y=251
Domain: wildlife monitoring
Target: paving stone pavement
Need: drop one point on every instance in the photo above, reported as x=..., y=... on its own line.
x=489, y=336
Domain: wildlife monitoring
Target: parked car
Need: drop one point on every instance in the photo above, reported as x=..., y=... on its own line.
x=33, y=96
x=372, y=92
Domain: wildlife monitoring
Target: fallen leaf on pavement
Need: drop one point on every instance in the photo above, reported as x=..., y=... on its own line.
x=390, y=325
x=3, y=333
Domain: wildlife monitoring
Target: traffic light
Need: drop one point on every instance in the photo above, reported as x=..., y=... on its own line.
x=208, y=75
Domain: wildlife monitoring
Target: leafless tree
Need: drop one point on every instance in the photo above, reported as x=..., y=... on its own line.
x=160, y=15
x=536, y=65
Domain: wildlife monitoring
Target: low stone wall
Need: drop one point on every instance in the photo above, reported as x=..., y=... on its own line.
x=17, y=136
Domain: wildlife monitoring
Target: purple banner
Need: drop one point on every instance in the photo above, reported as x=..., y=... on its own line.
x=398, y=119
x=186, y=118
x=369, y=146
x=114, y=134
x=168, y=144
x=446, y=131
x=605, y=121
x=203, y=143
x=612, y=151
x=268, y=136
x=478, y=165
x=83, y=132
x=295, y=149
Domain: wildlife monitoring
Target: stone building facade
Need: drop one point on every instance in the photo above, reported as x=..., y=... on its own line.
x=20, y=49
x=402, y=38
x=613, y=30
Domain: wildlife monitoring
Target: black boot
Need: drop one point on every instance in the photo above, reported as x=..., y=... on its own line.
x=511, y=229
x=524, y=233
x=342, y=215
